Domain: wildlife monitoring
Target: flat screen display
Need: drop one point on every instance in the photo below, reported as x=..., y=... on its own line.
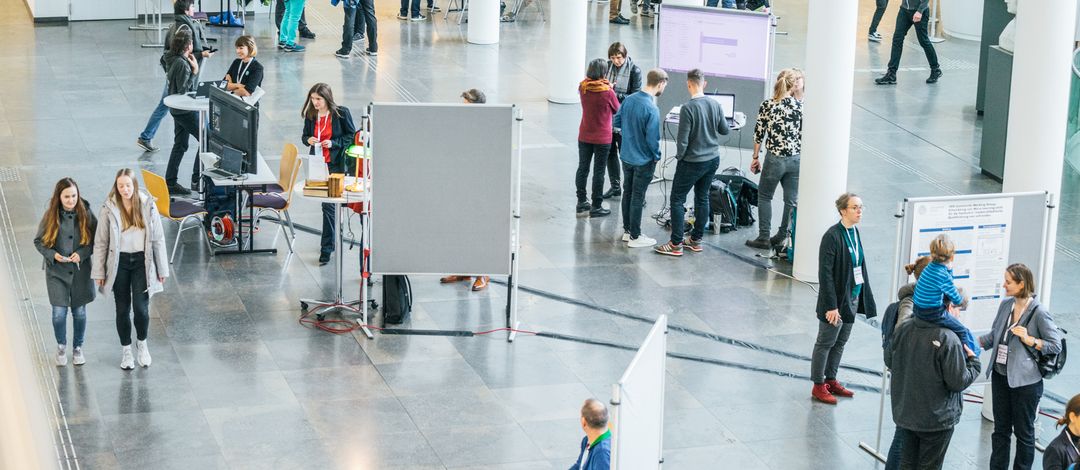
x=721, y=42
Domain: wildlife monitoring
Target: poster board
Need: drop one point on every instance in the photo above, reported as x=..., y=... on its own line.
x=991, y=231
x=638, y=401
x=442, y=181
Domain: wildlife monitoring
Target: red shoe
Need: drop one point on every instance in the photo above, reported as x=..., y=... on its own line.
x=836, y=389
x=820, y=392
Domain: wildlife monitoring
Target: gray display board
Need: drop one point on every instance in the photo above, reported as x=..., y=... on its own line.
x=443, y=177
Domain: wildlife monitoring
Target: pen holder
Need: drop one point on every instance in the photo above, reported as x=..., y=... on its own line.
x=336, y=184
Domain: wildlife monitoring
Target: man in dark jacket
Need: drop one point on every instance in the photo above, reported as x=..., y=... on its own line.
x=625, y=79
x=181, y=72
x=596, y=445
x=931, y=368
x=912, y=13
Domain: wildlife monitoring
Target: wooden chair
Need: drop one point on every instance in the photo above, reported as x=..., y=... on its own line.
x=179, y=211
x=280, y=200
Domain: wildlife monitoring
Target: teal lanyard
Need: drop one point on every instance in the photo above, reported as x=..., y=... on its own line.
x=854, y=244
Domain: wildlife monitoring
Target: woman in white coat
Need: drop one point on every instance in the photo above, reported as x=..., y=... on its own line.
x=130, y=259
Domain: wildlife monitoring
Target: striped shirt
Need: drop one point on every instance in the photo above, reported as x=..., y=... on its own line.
x=935, y=282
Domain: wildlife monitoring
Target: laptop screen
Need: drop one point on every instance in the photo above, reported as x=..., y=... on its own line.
x=232, y=160
x=727, y=102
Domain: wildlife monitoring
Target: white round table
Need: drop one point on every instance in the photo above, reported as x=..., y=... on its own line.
x=190, y=103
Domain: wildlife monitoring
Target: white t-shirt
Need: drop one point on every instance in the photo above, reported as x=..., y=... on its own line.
x=133, y=240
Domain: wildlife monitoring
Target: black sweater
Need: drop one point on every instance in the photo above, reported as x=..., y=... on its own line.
x=342, y=134
x=836, y=279
x=180, y=78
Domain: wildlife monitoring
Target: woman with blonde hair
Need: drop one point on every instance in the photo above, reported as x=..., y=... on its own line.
x=779, y=128
x=130, y=259
x=65, y=238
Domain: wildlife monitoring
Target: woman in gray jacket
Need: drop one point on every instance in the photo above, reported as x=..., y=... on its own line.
x=65, y=238
x=1022, y=329
x=130, y=259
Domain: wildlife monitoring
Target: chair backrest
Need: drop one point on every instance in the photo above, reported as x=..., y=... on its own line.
x=287, y=168
x=156, y=186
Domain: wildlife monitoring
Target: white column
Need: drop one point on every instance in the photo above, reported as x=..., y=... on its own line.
x=483, y=21
x=1039, y=107
x=826, y=131
x=566, y=51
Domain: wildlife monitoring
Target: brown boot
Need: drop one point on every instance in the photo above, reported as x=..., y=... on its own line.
x=455, y=278
x=820, y=392
x=836, y=389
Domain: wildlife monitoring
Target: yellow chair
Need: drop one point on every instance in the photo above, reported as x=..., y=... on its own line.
x=278, y=199
x=179, y=211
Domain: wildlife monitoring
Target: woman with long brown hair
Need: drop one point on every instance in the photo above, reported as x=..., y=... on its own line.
x=328, y=131
x=130, y=259
x=65, y=238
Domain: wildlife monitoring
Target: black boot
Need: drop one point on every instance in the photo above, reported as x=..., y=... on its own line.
x=935, y=74
x=583, y=208
x=888, y=79
x=614, y=191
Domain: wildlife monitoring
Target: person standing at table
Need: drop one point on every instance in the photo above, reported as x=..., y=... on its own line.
x=181, y=71
x=289, y=22
x=245, y=74
x=1022, y=329
x=625, y=78
x=328, y=131
x=470, y=96
x=844, y=292
x=129, y=259
x=65, y=238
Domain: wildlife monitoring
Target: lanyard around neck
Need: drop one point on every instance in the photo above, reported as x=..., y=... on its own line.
x=854, y=243
x=242, y=69
x=319, y=123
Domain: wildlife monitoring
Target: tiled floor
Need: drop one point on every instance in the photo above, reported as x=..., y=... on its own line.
x=237, y=383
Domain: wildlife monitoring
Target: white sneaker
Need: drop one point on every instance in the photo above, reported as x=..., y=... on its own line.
x=61, y=358
x=641, y=242
x=143, y=352
x=626, y=236
x=127, y=361
x=77, y=357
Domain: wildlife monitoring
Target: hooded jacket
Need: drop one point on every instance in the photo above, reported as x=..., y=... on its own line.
x=106, y=257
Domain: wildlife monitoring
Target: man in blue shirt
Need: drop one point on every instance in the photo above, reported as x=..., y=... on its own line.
x=596, y=445
x=639, y=119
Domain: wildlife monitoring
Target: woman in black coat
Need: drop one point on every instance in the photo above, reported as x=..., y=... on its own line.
x=328, y=130
x=844, y=291
x=65, y=238
x=1064, y=450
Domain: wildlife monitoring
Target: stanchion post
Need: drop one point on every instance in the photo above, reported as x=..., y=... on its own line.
x=515, y=237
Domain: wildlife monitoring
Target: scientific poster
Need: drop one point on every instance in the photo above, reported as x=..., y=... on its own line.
x=980, y=229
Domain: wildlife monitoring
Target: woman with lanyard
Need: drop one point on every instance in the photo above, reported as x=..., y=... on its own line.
x=779, y=127
x=328, y=130
x=245, y=74
x=1021, y=330
x=844, y=292
x=1064, y=451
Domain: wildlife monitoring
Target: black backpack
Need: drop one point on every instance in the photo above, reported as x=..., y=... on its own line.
x=723, y=207
x=397, y=299
x=745, y=192
x=1049, y=364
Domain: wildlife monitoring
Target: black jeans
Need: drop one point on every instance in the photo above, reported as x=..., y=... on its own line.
x=878, y=13
x=636, y=179
x=411, y=8
x=892, y=462
x=184, y=124
x=1015, y=411
x=828, y=350
x=129, y=288
x=904, y=22
x=697, y=176
x=356, y=20
x=596, y=156
x=614, y=166
x=279, y=11
x=329, y=229
x=925, y=450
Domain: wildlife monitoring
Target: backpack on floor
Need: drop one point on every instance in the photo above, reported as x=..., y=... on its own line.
x=397, y=299
x=745, y=192
x=723, y=206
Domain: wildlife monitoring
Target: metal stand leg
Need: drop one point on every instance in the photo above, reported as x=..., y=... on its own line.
x=152, y=10
x=321, y=307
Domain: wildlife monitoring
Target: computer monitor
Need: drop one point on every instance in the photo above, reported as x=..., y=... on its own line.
x=235, y=124
x=727, y=103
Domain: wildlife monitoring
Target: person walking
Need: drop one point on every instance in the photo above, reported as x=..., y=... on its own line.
x=290, y=21
x=470, y=96
x=912, y=13
x=129, y=259
x=598, y=107
x=615, y=13
x=625, y=79
x=701, y=123
x=879, y=11
x=302, y=27
x=1022, y=329
x=410, y=11
x=844, y=292
x=1064, y=451
x=359, y=14
x=65, y=239
x=639, y=119
x=779, y=127
x=328, y=131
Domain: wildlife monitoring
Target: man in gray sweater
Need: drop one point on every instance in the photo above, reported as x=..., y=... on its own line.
x=701, y=123
x=931, y=368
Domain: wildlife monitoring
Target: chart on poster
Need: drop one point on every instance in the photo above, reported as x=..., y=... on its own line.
x=981, y=230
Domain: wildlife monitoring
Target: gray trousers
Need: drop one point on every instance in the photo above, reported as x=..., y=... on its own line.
x=782, y=171
x=828, y=350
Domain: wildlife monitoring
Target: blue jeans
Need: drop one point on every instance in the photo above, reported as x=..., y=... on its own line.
x=155, y=117
x=411, y=8
x=727, y=3
x=636, y=179
x=59, y=323
x=697, y=176
x=290, y=21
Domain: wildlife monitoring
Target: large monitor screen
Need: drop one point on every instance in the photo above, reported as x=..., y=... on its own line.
x=720, y=42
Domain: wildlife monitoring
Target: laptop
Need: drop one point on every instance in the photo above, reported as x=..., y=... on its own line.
x=727, y=102
x=203, y=89
x=228, y=166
